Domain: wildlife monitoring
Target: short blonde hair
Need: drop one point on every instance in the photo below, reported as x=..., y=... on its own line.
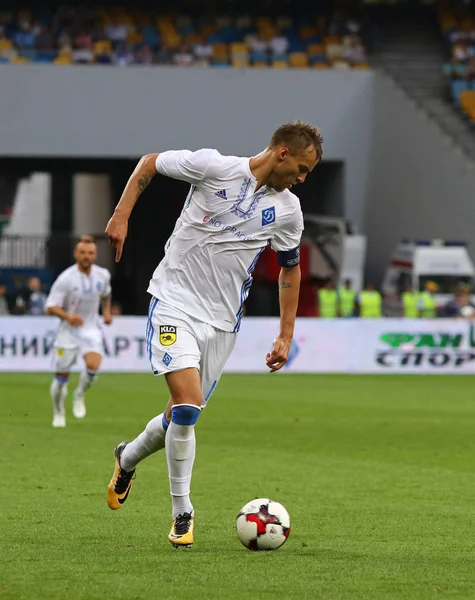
x=297, y=136
x=86, y=239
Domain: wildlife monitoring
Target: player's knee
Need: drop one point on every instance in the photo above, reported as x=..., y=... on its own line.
x=185, y=414
x=93, y=363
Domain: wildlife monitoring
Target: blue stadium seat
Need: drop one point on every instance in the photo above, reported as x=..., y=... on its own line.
x=457, y=87
x=3, y=60
x=259, y=57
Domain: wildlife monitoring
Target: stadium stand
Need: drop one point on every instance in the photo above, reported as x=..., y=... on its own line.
x=122, y=36
x=458, y=29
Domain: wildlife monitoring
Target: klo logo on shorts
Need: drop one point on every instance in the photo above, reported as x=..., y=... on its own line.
x=167, y=335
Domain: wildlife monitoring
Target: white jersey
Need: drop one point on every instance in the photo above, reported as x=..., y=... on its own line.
x=80, y=294
x=224, y=227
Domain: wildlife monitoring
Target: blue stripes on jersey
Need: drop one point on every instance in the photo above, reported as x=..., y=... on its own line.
x=150, y=329
x=190, y=196
x=246, y=286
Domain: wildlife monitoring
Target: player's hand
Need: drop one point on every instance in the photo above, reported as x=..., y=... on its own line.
x=116, y=231
x=107, y=318
x=276, y=359
x=75, y=320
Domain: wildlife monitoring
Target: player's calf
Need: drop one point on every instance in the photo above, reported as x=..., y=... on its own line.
x=58, y=392
x=180, y=444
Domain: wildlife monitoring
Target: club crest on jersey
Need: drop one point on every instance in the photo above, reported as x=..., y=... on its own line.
x=268, y=216
x=167, y=335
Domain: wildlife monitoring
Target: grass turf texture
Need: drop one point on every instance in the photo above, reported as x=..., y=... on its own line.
x=377, y=473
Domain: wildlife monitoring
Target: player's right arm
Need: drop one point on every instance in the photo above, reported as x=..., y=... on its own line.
x=180, y=164
x=56, y=301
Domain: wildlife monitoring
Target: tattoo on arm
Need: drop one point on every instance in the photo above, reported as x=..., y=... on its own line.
x=143, y=182
x=285, y=285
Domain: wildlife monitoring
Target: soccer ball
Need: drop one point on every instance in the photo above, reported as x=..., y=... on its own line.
x=263, y=524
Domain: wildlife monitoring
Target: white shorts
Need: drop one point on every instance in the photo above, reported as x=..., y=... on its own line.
x=88, y=340
x=176, y=341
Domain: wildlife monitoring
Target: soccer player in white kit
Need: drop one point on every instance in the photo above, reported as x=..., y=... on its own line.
x=234, y=209
x=75, y=298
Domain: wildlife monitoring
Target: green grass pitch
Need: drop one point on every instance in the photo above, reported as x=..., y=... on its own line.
x=377, y=473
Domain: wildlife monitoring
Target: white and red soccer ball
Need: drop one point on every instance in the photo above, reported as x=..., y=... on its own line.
x=263, y=524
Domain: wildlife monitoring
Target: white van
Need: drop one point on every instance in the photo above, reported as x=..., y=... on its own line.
x=414, y=263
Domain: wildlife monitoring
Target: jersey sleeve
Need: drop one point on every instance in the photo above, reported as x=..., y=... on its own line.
x=58, y=293
x=107, y=286
x=185, y=165
x=286, y=240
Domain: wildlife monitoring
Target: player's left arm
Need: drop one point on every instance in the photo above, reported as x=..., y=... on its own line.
x=289, y=288
x=286, y=242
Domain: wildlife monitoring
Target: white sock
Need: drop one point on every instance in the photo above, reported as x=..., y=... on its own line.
x=86, y=379
x=58, y=391
x=146, y=443
x=180, y=443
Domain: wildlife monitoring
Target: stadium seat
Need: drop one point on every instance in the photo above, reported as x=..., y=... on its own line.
x=62, y=59
x=333, y=51
x=220, y=53
x=280, y=64
x=4, y=59
x=321, y=65
x=361, y=66
x=260, y=64
x=457, y=87
x=239, y=62
x=259, y=57
x=102, y=47
x=135, y=38
x=298, y=60
x=19, y=60
x=5, y=44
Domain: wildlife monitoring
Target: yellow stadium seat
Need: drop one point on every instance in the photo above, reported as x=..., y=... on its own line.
x=19, y=60
x=62, y=60
x=171, y=40
x=207, y=30
x=332, y=39
x=102, y=47
x=307, y=32
x=280, y=64
x=471, y=114
x=264, y=23
x=135, y=38
x=220, y=52
x=321, y=65
x=239, y=49
x=313, y=49
x=5, y=44
x=192, y=39
x=260, y=64
x=239, y=63
x=298, y=59
x=361, y=66
x=467, y=99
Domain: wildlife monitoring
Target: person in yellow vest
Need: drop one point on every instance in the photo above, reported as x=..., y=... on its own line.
x=346, y=298
x=328, y=301
x=410, y=303
x=427, y=303
x=370, y=303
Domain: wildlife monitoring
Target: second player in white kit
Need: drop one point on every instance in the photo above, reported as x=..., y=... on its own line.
x=75, y=297
x=235, y=208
